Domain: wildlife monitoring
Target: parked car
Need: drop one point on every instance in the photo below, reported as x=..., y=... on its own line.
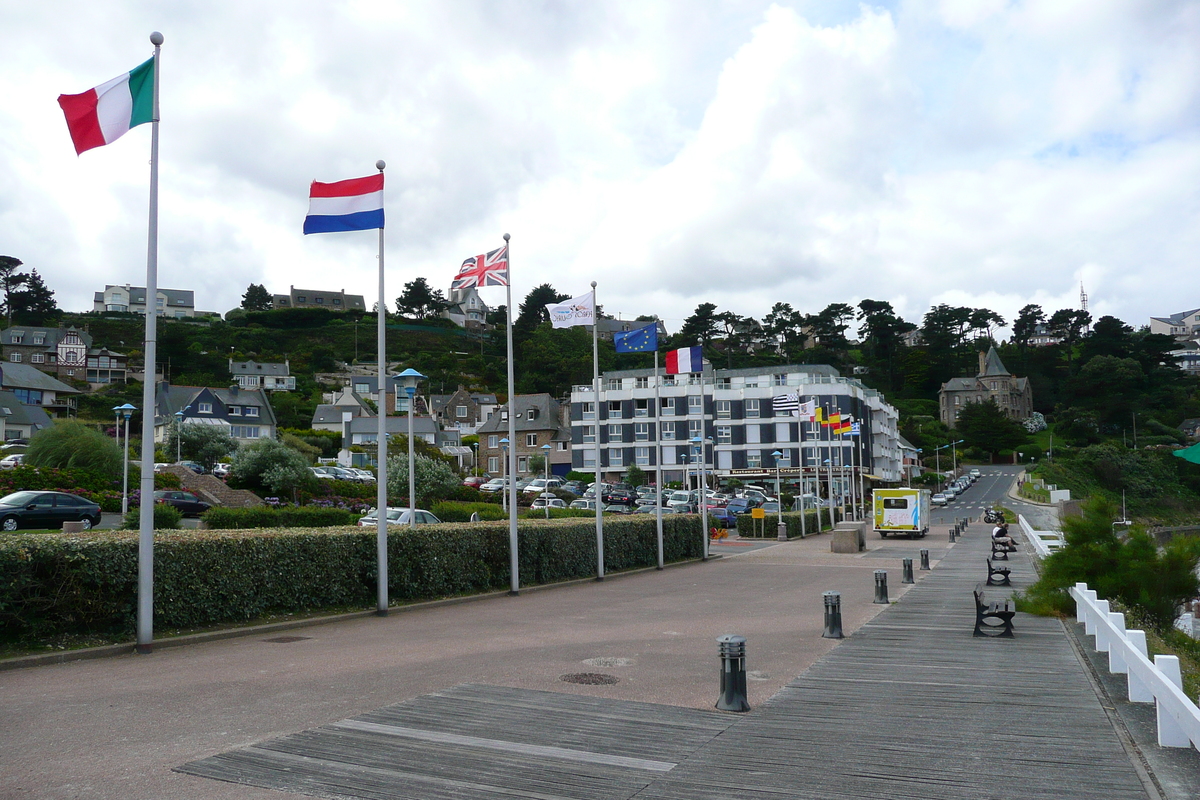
x=364, y=476
x=939, y=499
x=740, y=505
x=186, y=502
x=12, y=461
x=623, y=497
x=590, y=505
x=397, y=516
x=11, y=443
x=323, y=473
x=494, y=485
x=548, y=502
x=975, y=473
x=575, y=487
x=617, y=508
x=771, y=507
x=221, y=470
x=475, y=481
x=539, y=485
x=722, y=518
x=194, y=466
x=46, y=510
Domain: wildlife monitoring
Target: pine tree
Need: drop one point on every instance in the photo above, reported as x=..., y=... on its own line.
x=256, y=298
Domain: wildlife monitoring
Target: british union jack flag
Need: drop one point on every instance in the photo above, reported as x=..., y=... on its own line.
x=489, y=269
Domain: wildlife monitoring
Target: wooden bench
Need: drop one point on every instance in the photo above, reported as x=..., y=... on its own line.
x=998, y=576
x=1000, y=550
x=1002, y=612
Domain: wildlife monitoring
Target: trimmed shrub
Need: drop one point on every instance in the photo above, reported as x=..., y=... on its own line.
x=452, y=511
x=231, y=519
x=166, y=517
x=57, y=583
x=746, y=527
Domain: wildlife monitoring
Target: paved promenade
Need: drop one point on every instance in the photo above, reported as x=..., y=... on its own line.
x=459, y=699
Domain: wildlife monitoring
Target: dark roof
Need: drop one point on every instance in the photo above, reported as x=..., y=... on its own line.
x=258, y=368
x=993, y=365
x=52, y=336
x=547, y=417
x=137, y=294
x=23, y=376
x=17, y=413
x=396, y=424
x=170, y=399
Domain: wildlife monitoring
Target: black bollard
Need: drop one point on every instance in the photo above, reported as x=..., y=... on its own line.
x=924, y=559
x=833, y=616
x=952, y=532
x=881, y=586
x=908, y=572
x=733, y=674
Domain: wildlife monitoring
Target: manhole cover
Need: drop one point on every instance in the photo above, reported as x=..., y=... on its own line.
x=287, y=639
x=608, y=661
x=590, y=679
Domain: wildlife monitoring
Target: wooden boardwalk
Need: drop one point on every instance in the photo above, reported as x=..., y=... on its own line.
x=910, y=706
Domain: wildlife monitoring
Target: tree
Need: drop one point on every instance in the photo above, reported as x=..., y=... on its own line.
x=986, y=426
x=435, y=479
x=10, y=281
x=635, y=476
x=1110, y=386
x=1068, y=325
x=70, y=444
x=33, y=304
x=701, y=327
x=420, y=300
x=532, y=311
x=205, y=444
x=1025, y=326
x=829, y=325
x=256, y=298
x=882, y=335
x=268, y=465
x=786, y=325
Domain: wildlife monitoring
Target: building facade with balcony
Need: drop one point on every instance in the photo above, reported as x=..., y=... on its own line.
x=736, y=409
x=132, y=299
x=540, y=420
x=273, y=377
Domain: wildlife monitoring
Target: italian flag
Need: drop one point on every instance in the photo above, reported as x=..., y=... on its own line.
x=102, y=115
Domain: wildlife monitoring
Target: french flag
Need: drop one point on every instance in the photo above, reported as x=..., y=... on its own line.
x=689, y=359
x=353, y=205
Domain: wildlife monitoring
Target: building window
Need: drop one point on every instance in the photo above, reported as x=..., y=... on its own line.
x=724, y=434
x=204, y=408
x=724, y=383
x=589, y=459
x=234, y=411
x=523, y=464
x=40, y=338
x=460, y=412
x=694, y=379
x=589, y=434
x=668, y=405
x=493, y=464
x=754, y=459
x=301, y=298
x=641, y=431
x=615, y=433
x=493, y=441
x=641, y=408
x=589, y=410
x=613, y=384
x=245, y=431
x=614, y=409
x=668, y=431
x=694, y=428
x=561, y=446
x=251, y=411
x=18, y=337
x=695, y=404
x=955, y=399
x=751, y=383
x=641, y=456
x=38, y=358
x=779, y=379
x=724, y=409
x=616, y=458
x=15, y=358
x=531, y=440
x=751, y=409
x=641, y=383
x=30, y=397
x=668, y=380
x=504, y=415
x=531, y=414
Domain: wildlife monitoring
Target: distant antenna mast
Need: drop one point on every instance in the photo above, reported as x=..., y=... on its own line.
x=1083, y=305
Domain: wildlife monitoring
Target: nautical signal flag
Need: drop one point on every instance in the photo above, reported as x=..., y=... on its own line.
x=489, y=269
x=642, y=340
x=352, y=205
x=104, y=114
x=687, y=360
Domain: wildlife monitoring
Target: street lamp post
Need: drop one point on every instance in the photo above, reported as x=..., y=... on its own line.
x=178, y=436
x=408, y=381
x=954, y=454
x=504, y=473
x=546, y=472
x=126, y=411
x=474, y=458
x=698, y=448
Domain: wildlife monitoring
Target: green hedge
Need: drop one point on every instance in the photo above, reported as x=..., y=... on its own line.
x=230, y=519
x=454, y=511
x=60, y=583
x=749, y=529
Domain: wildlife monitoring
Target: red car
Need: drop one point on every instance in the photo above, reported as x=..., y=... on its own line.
x=475, y=481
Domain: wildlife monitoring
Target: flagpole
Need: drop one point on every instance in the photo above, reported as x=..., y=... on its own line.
x=381, y=487
x=145, y=603
x=511, y=488
x=599, y=491
x=703, y=457
x=828, y=425
x=862, y=489
x=658, y=482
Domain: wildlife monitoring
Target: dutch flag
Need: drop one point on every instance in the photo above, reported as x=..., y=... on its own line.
x=353, y=205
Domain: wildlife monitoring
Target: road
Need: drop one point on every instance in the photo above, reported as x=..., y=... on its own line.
x=991, y=488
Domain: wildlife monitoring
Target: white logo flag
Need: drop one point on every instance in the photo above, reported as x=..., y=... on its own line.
x=807, y=410
x=569, y=313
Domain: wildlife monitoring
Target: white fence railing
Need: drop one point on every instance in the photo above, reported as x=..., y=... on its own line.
x=1044, y=542
x=1159, y=682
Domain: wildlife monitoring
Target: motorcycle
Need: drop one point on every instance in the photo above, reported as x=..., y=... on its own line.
x=993, y=516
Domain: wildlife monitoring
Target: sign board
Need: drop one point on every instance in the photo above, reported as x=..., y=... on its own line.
x=757, y=513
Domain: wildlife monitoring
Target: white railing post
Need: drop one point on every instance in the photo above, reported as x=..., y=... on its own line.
x=1116, y=656
x=1170, y=734
x=1080, y=593
x=1139, y=692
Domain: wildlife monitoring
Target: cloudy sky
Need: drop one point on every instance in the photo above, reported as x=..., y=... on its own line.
x=972, y=152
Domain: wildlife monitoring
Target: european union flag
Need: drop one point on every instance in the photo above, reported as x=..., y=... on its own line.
x=643, y=340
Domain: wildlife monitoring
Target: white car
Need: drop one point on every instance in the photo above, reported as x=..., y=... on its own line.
x=548, y=502
x=539, y=485
x=12, y=461
x=939, y=499
x=220, y=470
x=397, y=516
